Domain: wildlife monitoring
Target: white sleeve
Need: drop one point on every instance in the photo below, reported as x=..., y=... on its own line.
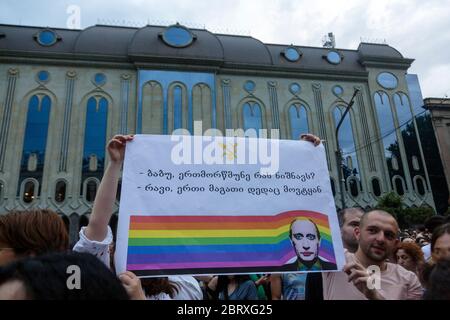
x=100, y=249
x=188, y=288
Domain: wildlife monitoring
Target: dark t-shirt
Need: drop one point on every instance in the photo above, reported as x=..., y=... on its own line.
x=245, y=291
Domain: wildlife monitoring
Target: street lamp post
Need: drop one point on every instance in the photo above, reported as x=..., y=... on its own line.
x=338, y=150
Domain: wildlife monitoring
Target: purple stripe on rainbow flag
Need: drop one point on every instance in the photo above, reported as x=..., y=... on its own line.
x=199, y=265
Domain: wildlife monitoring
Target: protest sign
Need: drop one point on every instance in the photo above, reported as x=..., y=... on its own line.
x=226, y=205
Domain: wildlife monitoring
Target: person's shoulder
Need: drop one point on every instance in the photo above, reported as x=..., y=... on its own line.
x=349, y=256
x=401, y=273
x=248, y=283
x=426, y=248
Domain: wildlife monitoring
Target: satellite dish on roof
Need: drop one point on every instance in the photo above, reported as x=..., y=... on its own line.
x=329, y=41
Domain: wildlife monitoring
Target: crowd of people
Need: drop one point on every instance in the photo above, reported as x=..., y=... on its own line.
x=382, y=262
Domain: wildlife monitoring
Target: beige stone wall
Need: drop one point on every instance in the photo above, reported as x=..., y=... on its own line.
x=55, y=88
x=371, y=165
x=440, y=115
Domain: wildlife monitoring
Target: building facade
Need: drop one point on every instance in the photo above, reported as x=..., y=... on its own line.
x=64, y=93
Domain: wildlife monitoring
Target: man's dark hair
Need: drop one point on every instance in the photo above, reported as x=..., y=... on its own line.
x=438, y=283
x=45, y=277
x=341, y=214
x=366, y=214
x=304, y=219
x=439, y=232
x=433, y=222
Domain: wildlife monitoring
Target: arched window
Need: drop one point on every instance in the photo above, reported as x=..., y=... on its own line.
x=399, y=186
x=353, y=186
x=388, y=132
x=376, y=187
x=298, y=119
x=177, y=108
x=29, y=190
x=35, y=139
x=95, y=137
x=252, y=117
x=90, y=190
x=60, y=191
x=347, y=143
x=420, y=185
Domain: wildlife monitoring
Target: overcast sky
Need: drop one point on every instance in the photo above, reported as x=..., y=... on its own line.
x=419, y=29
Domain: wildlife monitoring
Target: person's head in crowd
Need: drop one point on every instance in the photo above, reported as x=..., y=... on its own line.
x=31, y=233
x=224, y=282
x=348, y=220
x=422, y=241
x=377, y=236
x=433, y=222
x=60, y=276
x=408, y=240
x=440, y=243
x=438, y=284
x=409, y=256
x=157, y=286
x=421, y=228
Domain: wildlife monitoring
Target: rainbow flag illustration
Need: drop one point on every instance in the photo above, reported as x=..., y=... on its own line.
x=196, y=244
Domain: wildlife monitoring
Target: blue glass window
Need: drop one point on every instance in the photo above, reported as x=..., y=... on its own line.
x=252, y=117
x=347, y=143
x=95, y=137
x=295, y=88
x=47, y=38
x=249, y=86
x=387, y=80
x=299, y=120
x=333, y=57
x=292, y=54
x=35, y=138
x=177, y=36
x=388, y=132
x=408, y=133
x=177, y=108
x=99, y=79
x=415, y=94
x=43, y=76
x=338, y=91
x=164, y=82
